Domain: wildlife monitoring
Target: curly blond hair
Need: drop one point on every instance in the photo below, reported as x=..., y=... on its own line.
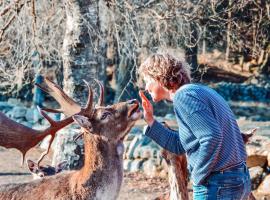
x=166, y=69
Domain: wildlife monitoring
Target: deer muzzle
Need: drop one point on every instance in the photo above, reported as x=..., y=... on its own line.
x=133, y=111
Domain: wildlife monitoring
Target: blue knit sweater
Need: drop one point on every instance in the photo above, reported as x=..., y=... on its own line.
x=208, y=132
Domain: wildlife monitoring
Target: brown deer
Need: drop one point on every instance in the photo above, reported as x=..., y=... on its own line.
x=104, y=129
x=178, y=173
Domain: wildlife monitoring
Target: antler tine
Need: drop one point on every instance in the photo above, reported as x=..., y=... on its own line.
x=101, y=96
x=67, y=105
x=89, y=105
x=52, y=110
x=45, y=116
x=55, y=126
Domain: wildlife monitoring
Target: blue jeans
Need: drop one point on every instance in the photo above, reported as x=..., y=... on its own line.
x=230, y=184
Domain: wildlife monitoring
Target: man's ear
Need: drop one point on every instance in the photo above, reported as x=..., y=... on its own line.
x=32, y=166
x=60, y=166
x=83, y=121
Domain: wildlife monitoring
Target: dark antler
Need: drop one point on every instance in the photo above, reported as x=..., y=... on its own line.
x=23, y=138
x=67, y=105
x=101, y=97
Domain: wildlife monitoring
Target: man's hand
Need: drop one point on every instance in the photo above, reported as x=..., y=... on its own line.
x=147, y=109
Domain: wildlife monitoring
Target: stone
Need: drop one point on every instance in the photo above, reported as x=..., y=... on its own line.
x=256, y=160
x=136, y=165
x=255, y=176
x=14, y=101
x=18, y=112
x=67, y=149
x=28, y=124
x=126, y=165
x=45, y=143
x=130, y=137
x=146, y=152
x=169, y=116
x=135, y=130
x=264, y=188
x=32, y=115
x=5, y=106
x=150, y=168
x=133, y=145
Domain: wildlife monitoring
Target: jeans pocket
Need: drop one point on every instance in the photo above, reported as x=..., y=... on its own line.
x=232, y=192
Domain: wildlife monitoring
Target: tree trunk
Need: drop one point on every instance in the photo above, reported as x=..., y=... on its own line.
x=80, y=61
x=80, y=46
x=229, y=31
x=191, y=51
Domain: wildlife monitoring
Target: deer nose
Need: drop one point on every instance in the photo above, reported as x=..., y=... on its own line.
x=133, y=101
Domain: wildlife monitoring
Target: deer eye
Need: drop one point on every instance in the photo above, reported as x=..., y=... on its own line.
x=105, y=115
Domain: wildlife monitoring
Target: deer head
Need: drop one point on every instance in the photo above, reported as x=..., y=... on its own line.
x=39, y=172
x=112, y=122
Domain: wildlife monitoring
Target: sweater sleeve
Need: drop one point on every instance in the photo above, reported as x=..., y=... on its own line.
x=166, y=138
x=206, y=128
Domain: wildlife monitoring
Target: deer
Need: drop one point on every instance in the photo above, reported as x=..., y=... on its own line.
x=39, y=172
x=178, y=173
x=103, y=129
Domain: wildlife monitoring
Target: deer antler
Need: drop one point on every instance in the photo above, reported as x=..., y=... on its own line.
x=23, y=138
x=101, y=89
x=88, y=110
x=67, y=105
x=55, y=126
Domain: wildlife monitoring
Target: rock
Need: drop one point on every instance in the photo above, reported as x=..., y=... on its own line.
x=5, y=106
x=150, y=168
x=133, y=145
x=67, y=149
x=45, y=143
x=256, y=176
x=169, y=116
x=39, y=127
x=135, y=130
x=32, y=115
x=130, y=137
x=145, y=152
x=136, y=165
x=264, y=188
x=145, y=140
x=14, y=101
x=256, y=160
x=18, y=112
x=28, y=124
x=126, y=165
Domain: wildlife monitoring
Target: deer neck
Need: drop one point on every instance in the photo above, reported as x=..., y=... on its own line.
x=101, y=158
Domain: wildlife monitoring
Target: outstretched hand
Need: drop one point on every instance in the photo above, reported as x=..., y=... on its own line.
x=147, y=109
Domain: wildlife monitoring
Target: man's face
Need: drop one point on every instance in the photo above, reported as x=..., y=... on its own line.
x=155, y=89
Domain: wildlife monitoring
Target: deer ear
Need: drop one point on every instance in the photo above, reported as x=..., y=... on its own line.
x=83, y=121
x=60, y=166
x=32, y=166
